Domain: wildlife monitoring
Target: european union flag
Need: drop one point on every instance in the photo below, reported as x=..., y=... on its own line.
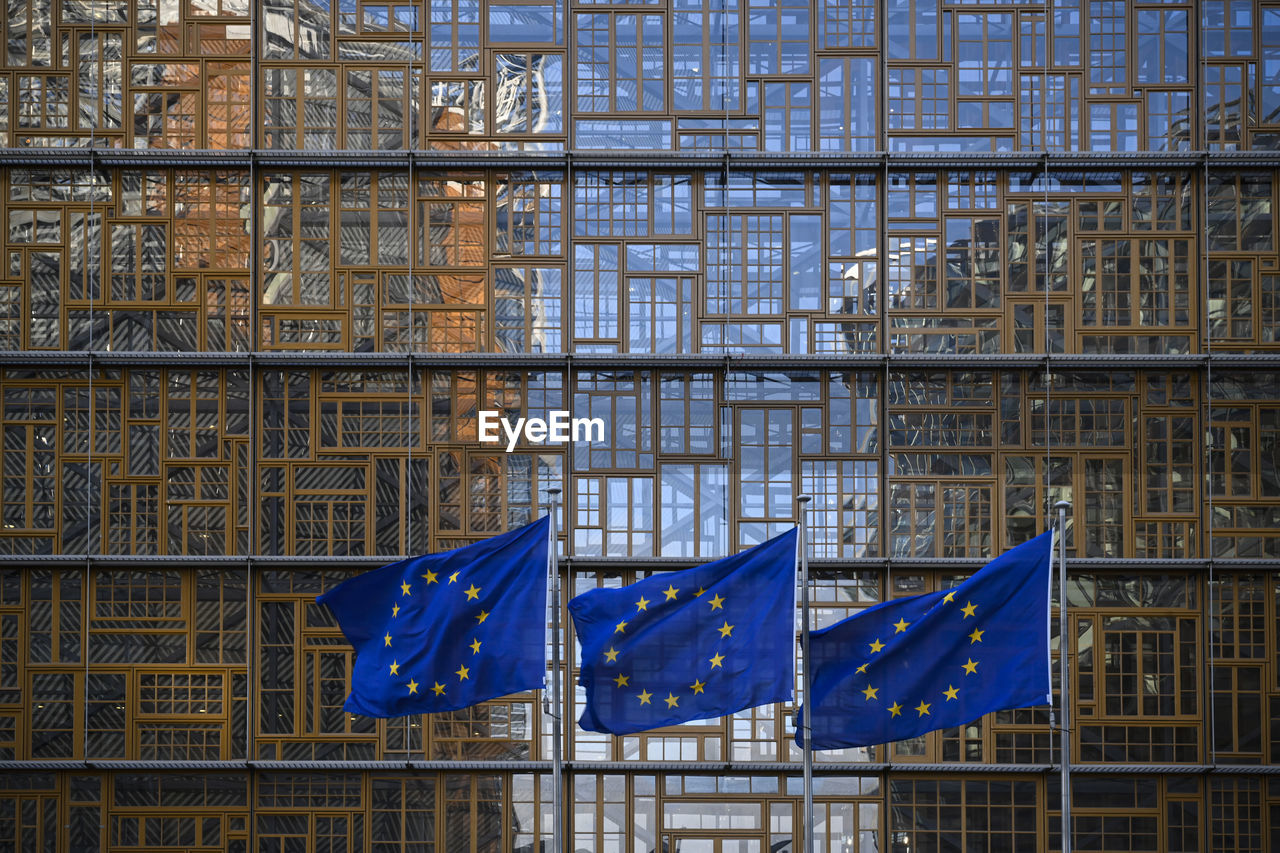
x=912, y=665
x=689, y=645
x=444, y=631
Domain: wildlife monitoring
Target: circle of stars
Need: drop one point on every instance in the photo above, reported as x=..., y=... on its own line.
x=716, y=661
x=871, y=693
x=463, y=672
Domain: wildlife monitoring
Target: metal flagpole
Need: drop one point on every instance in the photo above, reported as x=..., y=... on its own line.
x=557, y=778
x=805, y=710
x=1064, y=694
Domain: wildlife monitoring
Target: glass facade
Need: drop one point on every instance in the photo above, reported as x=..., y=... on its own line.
x=936, y=263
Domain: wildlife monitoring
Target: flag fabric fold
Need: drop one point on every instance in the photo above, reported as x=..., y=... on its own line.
x=912, y=665
x=443, y=631
x=689, y=645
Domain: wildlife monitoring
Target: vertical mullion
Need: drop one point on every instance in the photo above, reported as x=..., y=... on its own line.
x=252, y=697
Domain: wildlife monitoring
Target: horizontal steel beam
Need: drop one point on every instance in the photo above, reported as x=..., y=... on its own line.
x=726, y=768
x=637, y=361
x=584, y=159
x=156, y=562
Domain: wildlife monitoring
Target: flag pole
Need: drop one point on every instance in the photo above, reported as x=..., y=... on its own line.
x=557, y=761
x=1064, y=693
x=805, y=709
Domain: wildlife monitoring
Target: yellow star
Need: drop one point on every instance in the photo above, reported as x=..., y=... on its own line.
x=699, y=593
x=642, y=604
x=672, y=700
x=900, y=626
x=863, y=668
x=395, y=610
x=413, y=686
x=971, y=667
x=716, y=602
x=876, y=646
x=453, y=577
x=395, y=668
x=611, y=656
x=462, y=673
x=697, y=686
x=950, y=692
x=726, y=630
x=644, y=697
x=715, y=660
x=484, y=614
x=949, y=597
x=968, y=609
x=438, y=689
x=388, y=639
x=622, y=627
x=976, y=636
x=670, y=592
x=923, y=708
x=870, y=692
x=475, y=645
x=431, y=577
x=621, y=680
x=895, y=710
x=473, y=593
x=404, y=588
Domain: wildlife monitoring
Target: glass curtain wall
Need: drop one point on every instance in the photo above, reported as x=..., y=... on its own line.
x=937, y=264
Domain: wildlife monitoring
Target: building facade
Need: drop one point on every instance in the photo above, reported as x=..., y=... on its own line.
x=937, y=263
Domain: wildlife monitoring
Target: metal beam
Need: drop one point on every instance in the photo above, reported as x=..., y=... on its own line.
x=723, y=768
x=593, y=159
x=638, y=361
x=154, y=562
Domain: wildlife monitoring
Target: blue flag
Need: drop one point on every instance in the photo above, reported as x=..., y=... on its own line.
x=912, y=665
x=444, y=631
x=689, y=645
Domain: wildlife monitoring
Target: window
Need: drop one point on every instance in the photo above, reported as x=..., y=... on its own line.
x=621, y=64
x=973, y=264
x=381, y=108
x=1049, y=110
x=373, y=217
x=1224, y=106
x=611, y=204
x=847, y=104
x=624, y=401
x=528, y=95
x=301, y=107
x=705, y=55
x=297, y=250
x=454, y=36
x=1113, y=127
x=1108, y=48
x=596, y=294
x=788, y=116
x=745, y=275
x=1162, y=46
x=1226, y=27
x=1160, y=297
x=1168, y=121
x=765, y=496
x=777, y=37
x=527, y=307
x=660, y=314
x=1240, y=213
x=919, y=98
x=995, y=814
x=528, y=214
x=848, y=24
x=984, y=44
x=615, y=516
